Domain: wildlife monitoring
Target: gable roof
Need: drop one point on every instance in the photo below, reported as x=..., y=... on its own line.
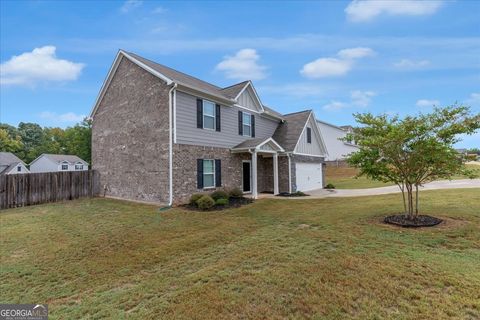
x=60, y=158
x=288, y=132
x=234, y=90
x=7, y=158
x=256, y=143
x=227, y=95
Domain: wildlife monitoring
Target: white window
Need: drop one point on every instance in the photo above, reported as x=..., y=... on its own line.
x=208, y=115
x=208, y=173
x=79, y=167
x=247, y=124
x=64, y=166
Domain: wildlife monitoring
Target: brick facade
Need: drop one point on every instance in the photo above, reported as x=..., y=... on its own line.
x=130, y=136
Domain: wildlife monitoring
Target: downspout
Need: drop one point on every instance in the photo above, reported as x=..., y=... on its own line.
x=170, y=146
x=289, y=174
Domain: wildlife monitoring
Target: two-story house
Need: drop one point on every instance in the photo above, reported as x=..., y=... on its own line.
x=58, y=163
x=160, y=135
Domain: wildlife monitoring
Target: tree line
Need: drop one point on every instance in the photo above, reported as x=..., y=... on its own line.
x=29, y=140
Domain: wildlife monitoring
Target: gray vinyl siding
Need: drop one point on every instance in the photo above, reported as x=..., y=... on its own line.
x=188, y=133
x=246, y=100
x=313, y=148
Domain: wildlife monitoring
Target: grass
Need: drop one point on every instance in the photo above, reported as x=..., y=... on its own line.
x=276, y=259
x=344, y=178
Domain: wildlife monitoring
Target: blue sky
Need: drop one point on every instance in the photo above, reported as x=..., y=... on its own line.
x=335, y=57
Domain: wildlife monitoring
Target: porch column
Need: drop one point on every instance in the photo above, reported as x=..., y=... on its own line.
x=275, y=173
x=254, y=175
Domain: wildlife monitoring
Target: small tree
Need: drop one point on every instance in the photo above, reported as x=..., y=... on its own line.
x=412, y=151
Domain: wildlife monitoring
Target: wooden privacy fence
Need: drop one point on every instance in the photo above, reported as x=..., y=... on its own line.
x=18, y=190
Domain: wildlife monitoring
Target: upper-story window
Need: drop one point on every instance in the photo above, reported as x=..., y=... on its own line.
x=247, y=124
x=208, y=115
x=19, y=168
x=65, y=166
x=309, y=135
x=79, y=166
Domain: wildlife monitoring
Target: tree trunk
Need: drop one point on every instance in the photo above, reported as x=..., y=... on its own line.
x=410, y=201
x=416, y=200
x=402, y=187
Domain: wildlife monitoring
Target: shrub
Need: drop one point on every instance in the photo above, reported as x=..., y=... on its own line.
x=194, y=198
x=299, y=194
x=221, y=202
x=330, y=186
x=236, y=193
x=205, y=202
x=219, y=194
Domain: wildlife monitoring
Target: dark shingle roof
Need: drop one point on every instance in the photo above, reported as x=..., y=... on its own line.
x=270, y=111
x=182, y=78
x=234, y=90
x=288, y=132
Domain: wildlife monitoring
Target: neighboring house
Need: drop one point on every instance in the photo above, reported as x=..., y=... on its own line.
x=11, y=164
x=160, y=135
x=337, y=149
x=58, y=162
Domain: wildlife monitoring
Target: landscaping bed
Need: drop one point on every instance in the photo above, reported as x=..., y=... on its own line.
x=421, y=221
x=217, y=200
x=294, y=194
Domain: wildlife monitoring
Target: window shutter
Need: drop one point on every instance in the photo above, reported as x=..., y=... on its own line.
x=217, y=117
x=199, y=113
x=240, y=123
x=253, y=126
x=200, y=173
x=218, y=173
x=309, y=135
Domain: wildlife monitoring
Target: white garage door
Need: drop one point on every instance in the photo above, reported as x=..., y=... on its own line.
x=309, y=176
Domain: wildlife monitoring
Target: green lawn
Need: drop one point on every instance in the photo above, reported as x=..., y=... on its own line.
x=275, y=259
x=344, y=178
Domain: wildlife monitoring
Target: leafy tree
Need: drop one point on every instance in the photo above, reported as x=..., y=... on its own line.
x=9, y=144
x=32, y=136
x=78, y=140
x=412, y=151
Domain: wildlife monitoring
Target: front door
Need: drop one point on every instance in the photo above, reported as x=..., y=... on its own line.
x=246, y=177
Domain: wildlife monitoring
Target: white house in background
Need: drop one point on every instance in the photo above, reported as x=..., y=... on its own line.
x=337, y=149
x=11, y=164
x=58, y=162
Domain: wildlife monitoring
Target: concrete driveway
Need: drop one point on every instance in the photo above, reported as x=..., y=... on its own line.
x=443, y=184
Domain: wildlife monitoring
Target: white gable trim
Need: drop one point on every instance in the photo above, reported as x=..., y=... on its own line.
x=317, y=133
x=280, y=149
x=113, y=70
x=249, y=83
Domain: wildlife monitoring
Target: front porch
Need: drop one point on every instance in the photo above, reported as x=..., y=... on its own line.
x=260, y=172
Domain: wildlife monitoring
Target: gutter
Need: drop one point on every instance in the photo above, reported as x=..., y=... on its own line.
x=170, y=146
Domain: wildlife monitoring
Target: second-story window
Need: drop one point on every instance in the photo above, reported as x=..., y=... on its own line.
x=79, y=167
x=309, y=135
x=64, y=166
x=247, y=124
x=208, y=115
x=19, y=168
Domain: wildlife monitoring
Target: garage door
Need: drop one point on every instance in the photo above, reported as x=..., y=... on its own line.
x=309, y=176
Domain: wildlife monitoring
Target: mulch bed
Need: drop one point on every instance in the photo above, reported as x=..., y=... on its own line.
x=232, y=203
x=286, y=194
x=421, y=221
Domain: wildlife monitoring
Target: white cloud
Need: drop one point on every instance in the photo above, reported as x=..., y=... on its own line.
x=365, y=10
x=361, y=98
x=243, y=65
x=355, y=53
x=474, y=99
x=331, y=67
x=335, y=106
x=407, y=64
x=130, y=4
x=358, y=98
x=427, y=103
x=40, y=65
x=326, y=67
x=65, y=117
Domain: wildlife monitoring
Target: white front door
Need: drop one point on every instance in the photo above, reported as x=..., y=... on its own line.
x=308, y=176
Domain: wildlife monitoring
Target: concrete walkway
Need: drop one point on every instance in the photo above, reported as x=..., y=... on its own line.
x=435, y=185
